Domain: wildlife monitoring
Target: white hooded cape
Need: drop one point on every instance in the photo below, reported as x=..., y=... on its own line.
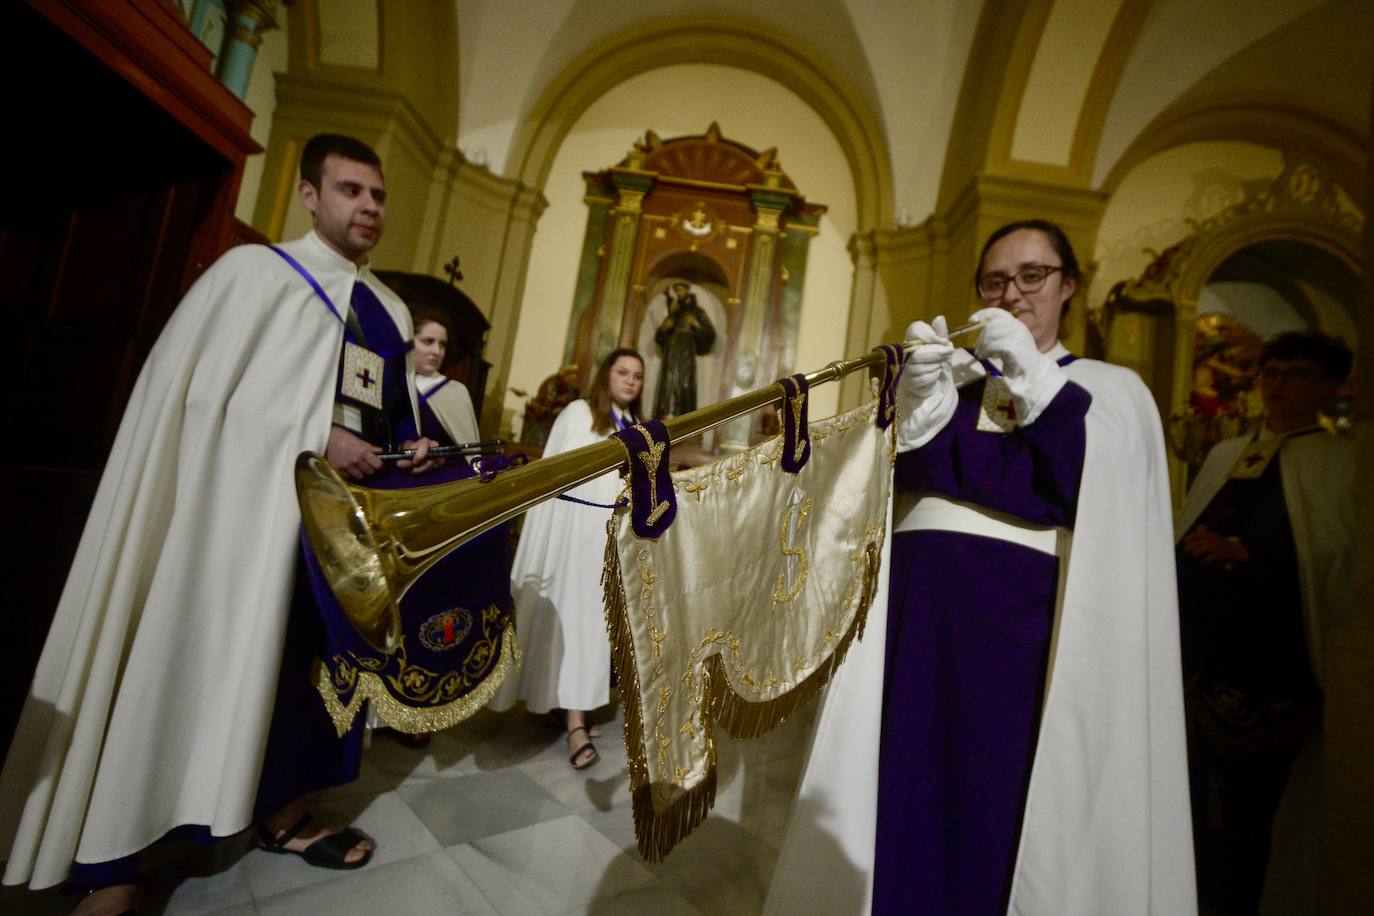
x=1106, y=826
x=452, y=405
x=152, y=698
x=1318, y=473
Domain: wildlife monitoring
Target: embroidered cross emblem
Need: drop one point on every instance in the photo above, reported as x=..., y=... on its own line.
x=1253, y=459
x=1007, y=408
x=366, y=378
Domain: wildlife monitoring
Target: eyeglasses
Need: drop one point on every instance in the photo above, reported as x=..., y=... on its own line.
x=1028, y=279
x=1290, y=375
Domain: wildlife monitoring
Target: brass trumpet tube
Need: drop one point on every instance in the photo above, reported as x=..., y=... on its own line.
x=424, y=523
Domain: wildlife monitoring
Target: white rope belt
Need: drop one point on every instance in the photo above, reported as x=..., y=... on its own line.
x=927, y=513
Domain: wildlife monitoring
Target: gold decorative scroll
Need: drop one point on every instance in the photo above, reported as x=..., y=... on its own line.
x=742, y=610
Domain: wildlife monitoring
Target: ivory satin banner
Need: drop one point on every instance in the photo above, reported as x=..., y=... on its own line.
x=742, y=609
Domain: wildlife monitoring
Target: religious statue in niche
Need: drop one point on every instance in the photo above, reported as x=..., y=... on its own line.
x=682, y=336
x=1225, y=358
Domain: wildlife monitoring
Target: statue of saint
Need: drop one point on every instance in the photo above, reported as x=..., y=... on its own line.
x=684, y=335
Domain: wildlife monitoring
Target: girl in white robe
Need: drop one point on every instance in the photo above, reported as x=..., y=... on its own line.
x=556, y=575
x=446, y=398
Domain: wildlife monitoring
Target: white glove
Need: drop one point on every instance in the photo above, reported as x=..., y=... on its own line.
x=927, y=365
x=926, y=396
x=1033, y=378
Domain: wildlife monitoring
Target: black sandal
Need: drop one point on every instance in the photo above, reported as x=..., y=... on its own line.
x=325, y=852
x=582, y=749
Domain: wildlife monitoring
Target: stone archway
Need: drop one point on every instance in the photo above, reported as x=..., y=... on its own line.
x=1303, y=205
x=728, y=43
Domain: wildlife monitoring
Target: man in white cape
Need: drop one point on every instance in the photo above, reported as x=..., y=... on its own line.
x=1266, y=576
x=151, y=705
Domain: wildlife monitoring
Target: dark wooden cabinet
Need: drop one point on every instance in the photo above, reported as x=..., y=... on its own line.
x=123, y=156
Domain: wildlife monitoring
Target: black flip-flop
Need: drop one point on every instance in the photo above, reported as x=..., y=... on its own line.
x=582, y=749
x=325, y=852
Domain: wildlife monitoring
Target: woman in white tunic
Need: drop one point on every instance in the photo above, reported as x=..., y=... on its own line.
x=556, y=576
x=448, y=400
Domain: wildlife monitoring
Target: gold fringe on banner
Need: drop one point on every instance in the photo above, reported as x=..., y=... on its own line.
x=658, y=831
x=404, y=717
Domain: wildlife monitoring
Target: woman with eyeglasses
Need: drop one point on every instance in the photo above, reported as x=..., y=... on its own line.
x=1032, y=756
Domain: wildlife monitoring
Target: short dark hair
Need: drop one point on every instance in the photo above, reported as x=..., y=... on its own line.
x=1059, y=241
x=321, y=146
x=1329, y=352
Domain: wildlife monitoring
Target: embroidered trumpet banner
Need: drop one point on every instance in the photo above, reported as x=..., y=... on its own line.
x=457, y=645
x=739, y=612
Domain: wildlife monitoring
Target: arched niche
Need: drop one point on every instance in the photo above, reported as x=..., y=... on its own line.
x=1295, y=248
x=723, y=219
x=712, y=40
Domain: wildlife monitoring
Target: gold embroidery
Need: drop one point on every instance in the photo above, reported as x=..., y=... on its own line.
x=781, y=594
x=430, y=702
x=651, y=460
x=672, y=718
x=798, y=401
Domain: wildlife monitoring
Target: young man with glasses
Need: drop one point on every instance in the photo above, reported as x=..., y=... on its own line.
x=1265, y=569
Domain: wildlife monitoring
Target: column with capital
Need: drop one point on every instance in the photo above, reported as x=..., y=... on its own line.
x=769, y=204
x=247, y=20
x=631, y=186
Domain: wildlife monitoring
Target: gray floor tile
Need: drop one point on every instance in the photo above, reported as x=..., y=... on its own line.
x=657, y=898
x=555, y=867
x=431, y=883
x=469, y=808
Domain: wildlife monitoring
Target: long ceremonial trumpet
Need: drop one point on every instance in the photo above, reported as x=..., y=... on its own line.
x=372, y=544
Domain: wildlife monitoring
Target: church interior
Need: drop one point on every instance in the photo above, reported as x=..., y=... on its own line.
x=814, y=174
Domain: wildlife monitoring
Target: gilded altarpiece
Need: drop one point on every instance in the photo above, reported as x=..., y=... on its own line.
x=709, y=220
x=1202, y=366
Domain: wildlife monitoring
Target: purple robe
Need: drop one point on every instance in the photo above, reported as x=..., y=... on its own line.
x=969, y=626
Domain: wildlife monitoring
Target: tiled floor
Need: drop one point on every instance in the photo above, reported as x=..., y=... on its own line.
x=490, y=819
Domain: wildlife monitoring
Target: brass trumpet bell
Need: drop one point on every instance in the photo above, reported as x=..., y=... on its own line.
x=335, y=516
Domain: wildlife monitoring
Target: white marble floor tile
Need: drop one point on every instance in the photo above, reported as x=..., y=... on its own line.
x=449, y=754
x=603, y=786
x=397, y=833
x=561, y=866
x=431, y=883
x=715, y=894
x=468, y=808
x=657, y=898
x=212, y=892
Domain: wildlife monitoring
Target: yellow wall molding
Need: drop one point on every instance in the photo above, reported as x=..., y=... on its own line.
x=1003, y=50
x=1265, y=119
x=417, y=48
x=710, y=40
x=1116, y=50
